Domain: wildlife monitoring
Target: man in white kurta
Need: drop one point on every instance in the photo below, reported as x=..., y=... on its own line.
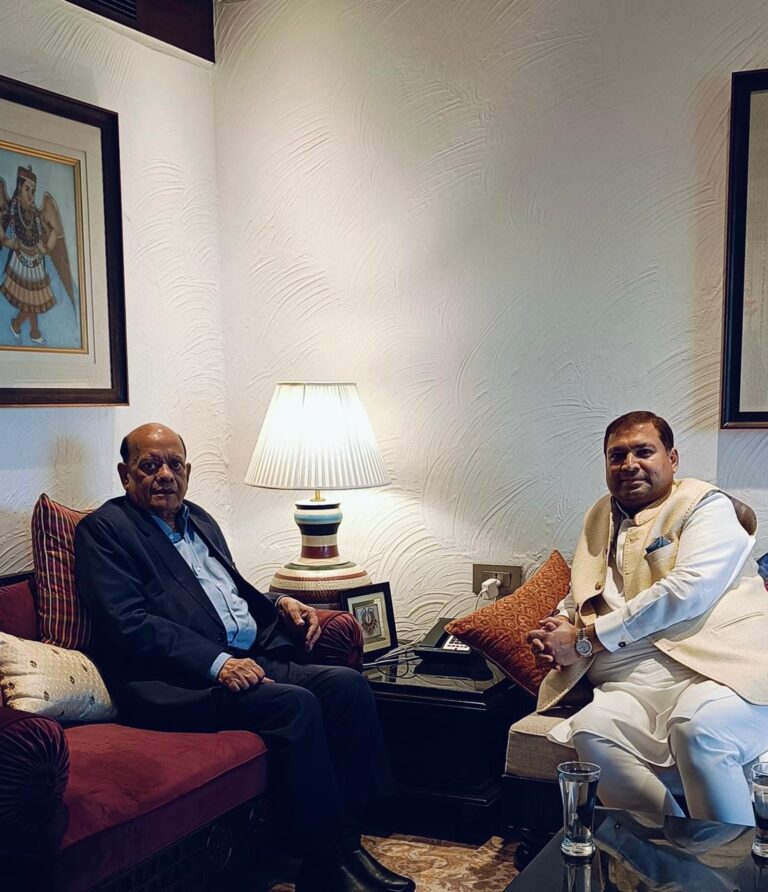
x=667, y=620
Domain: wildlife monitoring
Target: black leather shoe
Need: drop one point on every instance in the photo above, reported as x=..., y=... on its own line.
x=363, y=865
x=340, y=879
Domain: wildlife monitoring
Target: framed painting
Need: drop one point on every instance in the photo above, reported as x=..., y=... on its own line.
x=371, y=606
x=62, y=302
x=744, y=400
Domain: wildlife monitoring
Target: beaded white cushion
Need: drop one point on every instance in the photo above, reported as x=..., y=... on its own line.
x=52, y=681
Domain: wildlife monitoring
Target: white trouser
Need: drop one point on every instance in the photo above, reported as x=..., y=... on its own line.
x=709, y=747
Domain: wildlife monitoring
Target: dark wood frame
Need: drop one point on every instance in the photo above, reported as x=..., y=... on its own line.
x=743, y=85
x=107, y=123
x=187, y=24
x=377, y=588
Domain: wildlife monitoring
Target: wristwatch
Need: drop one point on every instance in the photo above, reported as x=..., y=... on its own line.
x=583, y=644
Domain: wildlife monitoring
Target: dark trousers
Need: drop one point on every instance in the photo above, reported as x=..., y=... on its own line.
x=322, y=729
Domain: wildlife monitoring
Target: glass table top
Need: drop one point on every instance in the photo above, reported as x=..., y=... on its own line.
x=636, y=852
x=408, y=670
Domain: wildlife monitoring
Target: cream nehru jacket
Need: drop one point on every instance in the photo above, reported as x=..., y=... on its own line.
x=727, y=643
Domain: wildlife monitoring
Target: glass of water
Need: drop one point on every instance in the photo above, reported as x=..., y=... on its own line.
x=578, y=788
x=578, y=875
x=760, y=793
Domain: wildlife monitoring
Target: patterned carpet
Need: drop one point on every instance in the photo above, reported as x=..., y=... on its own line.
x=439, y=866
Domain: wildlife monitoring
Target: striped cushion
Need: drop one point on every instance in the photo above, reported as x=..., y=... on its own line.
x=61, y=614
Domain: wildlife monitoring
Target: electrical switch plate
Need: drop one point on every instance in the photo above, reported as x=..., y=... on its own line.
x=510, y=577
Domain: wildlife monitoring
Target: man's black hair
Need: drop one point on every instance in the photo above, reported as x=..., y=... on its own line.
x=662, y=427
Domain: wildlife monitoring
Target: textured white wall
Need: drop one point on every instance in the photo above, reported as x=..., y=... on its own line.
x=171, y=266
x=505, y=221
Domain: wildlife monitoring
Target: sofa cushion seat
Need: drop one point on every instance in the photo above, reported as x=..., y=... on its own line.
x=531, y=755
x=132, y=792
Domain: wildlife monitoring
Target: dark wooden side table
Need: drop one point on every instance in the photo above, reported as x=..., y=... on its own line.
x=446, y=731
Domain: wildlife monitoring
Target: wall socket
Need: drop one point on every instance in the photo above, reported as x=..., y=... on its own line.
x=510, y=577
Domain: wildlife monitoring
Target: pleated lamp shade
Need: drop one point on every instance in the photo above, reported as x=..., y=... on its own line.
x=317, y=437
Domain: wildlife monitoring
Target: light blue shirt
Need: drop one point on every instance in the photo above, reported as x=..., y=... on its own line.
x=238, y=623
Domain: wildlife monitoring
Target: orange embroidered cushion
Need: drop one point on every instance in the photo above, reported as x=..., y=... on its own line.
x=498, y=631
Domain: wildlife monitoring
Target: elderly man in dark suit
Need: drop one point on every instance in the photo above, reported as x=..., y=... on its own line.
x=185, y=643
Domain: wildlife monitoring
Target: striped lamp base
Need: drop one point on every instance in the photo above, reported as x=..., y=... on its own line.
x=319, y=574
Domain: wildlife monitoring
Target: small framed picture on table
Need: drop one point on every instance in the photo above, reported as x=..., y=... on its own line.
x=371, y=606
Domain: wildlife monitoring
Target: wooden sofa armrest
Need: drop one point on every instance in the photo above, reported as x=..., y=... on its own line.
x=34, y=770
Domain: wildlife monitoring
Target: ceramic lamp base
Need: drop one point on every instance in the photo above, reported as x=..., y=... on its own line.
x=319, y=573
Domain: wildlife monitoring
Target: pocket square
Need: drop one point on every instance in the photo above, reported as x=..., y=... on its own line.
x=658, y=543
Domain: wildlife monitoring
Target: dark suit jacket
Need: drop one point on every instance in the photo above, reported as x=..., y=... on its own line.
x=156, y=632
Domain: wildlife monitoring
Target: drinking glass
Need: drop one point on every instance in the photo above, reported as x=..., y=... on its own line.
x=577, y=875
x=760, y=793
x=578, y=788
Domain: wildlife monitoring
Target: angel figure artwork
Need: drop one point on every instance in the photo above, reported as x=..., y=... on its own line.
x=37, y=262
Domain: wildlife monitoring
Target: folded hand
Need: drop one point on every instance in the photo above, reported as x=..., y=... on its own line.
x=553, y=644
x=241, y=674
x=300, y=616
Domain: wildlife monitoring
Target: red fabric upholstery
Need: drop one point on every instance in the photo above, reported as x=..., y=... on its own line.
x=341, y=643
x=17, y=610
x=132, y=792
x=62, y=616
x=34, y=768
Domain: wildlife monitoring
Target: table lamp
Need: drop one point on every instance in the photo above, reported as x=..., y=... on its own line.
x=318, y=437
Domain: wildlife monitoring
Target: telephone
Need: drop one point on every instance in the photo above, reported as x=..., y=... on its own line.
x=439, y=645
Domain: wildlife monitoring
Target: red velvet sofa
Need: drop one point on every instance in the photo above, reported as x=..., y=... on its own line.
x=104, y=806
